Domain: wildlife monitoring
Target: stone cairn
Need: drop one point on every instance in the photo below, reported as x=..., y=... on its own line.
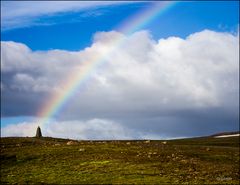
x=38, y=133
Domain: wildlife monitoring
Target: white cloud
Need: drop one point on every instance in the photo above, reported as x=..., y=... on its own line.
x=147, y=85
x=19, y=130
x=141, y=75
x=15, y=14
x=93, y=129
x=89, y=129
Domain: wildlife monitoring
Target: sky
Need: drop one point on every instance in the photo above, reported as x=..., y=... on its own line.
x=119, y=70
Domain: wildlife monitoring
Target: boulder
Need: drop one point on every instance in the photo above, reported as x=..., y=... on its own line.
x=71, y=143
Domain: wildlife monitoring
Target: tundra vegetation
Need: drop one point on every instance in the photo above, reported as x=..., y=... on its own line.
x=205, y=160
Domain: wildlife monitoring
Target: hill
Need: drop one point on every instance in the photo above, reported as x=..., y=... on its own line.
x=205, y=160
x=226, y=134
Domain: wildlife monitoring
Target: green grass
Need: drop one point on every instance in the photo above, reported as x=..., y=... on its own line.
x=185, y=161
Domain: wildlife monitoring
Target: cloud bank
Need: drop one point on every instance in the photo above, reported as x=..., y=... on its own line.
x=91, y=129
x=145, y=85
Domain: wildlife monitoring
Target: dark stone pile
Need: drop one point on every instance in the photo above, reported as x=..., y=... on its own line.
x=38, y=133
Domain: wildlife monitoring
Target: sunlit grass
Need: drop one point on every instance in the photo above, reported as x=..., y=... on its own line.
x=189, y=161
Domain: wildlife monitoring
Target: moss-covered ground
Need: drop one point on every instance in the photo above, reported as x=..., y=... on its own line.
x=186, y=161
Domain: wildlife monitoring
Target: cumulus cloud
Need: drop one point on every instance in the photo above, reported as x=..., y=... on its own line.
x=89, y=129
x=20, y=130
x=141, y=78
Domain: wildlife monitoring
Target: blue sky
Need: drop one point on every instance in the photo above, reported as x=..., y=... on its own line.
x=74, y=30
x=45, y=26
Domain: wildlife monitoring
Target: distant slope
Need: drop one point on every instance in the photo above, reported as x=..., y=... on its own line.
x=209, y=141
x=200, y=141
x=225, y=133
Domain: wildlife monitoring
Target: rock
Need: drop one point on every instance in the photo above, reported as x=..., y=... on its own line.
x=57, y=144
x=164, y=142
x=128, y=143
x=207, y=149
x=81, y=150
x=148, y=141
x=71, y=143
x=184, y=161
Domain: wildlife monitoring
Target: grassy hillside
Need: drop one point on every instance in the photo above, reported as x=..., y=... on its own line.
x=58, y=161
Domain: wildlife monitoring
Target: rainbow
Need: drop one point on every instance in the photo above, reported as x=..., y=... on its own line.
x=80, y=75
